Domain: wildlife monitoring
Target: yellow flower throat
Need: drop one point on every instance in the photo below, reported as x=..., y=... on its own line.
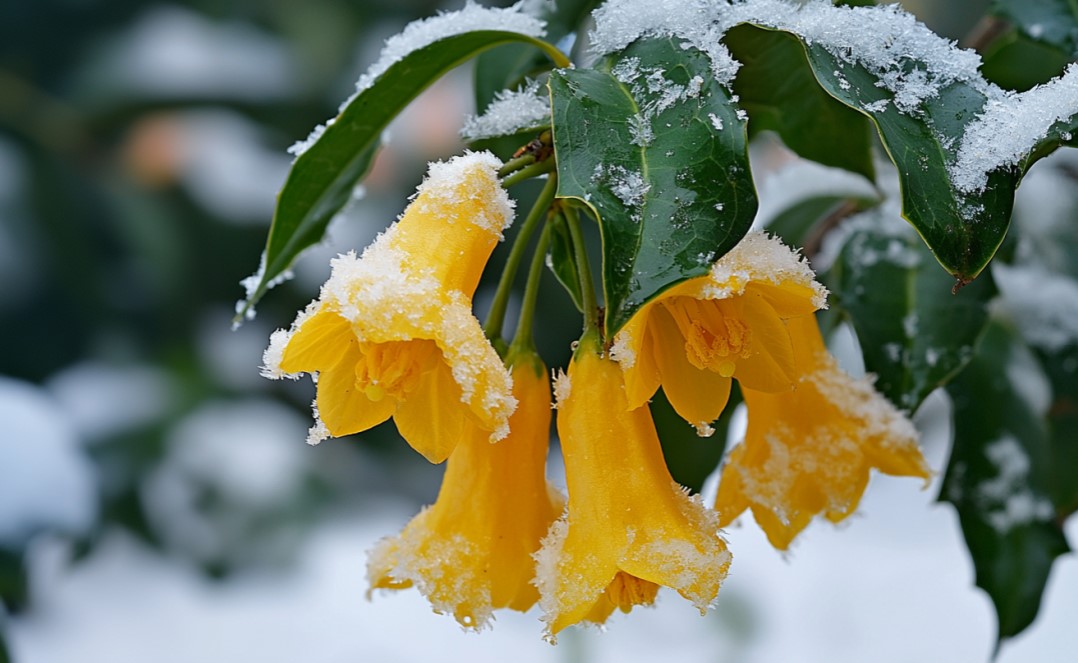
x=393, y=368
x=715, y=337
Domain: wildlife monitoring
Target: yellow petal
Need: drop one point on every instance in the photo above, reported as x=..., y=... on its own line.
x=625, y=513
x=632, y=350
x=471, y=553
x=770, y=366
x=342, y=406
x=455, y=221
x=318, y=344
x=810, y=451
x=697, y=395
x=432, y=419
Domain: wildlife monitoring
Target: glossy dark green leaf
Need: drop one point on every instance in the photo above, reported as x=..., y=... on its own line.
x=915, y=335
x=689, y=457
x=999, y=478
x=1017, y=62
x=661, y=160
x=323, y=177
x=1053, y=22
x=778, y=90
x=963, y=230
x=562, y=259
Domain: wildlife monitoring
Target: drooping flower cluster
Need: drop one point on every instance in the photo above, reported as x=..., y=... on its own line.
x=392, y=335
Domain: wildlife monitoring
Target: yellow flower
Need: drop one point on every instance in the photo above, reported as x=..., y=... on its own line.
x=628, y=528
x=392, y=333
x=698, y=335
x=809, y=451
x=471, y=552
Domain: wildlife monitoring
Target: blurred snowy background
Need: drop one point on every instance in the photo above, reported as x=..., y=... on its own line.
x=157, y=502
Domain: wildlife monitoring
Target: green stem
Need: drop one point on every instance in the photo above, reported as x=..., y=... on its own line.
x=528, y=172
x=587, y=287
x=514, y=165
x=523, y=340
x=496, y=317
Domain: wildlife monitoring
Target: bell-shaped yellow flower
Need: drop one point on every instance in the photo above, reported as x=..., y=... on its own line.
x=695, y=337
x=810, y=450
x=392, y=333
x=471, y=552
x=628, y=527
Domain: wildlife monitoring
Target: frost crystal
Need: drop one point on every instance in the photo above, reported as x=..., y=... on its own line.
x=512, y=111
x=1009, y=128
x=627, y=185
x=426, y=31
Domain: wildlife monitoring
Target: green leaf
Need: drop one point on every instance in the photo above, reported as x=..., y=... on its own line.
x=1061, y=367
x=689, y=457
x=563, y=259
x=963, y=230
x=999, y=476
x=671, y=190
x=1053, y=22
x=1016, y=62
x=323, y=177
x=915, y=335
x=778, y=90
x=798, y=224
x=14, y=581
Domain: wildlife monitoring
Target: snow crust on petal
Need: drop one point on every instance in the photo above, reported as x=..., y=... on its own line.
x=511, y=111
x=765, y=259
x=473, y=174
x=438, y=566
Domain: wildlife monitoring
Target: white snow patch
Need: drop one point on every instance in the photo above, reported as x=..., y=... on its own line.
x=1011, y=124
x=1043, y=305
x=46, y=484
x=511, y=111
x=103, y=399
x=1009, y=498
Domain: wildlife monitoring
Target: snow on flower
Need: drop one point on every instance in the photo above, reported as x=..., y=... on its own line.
x=392, y=333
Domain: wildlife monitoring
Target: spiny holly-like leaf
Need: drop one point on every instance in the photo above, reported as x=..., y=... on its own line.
x=915, y=334
x=657, y=149
x=779, y=92
x=999, y=478
x=323, y=176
